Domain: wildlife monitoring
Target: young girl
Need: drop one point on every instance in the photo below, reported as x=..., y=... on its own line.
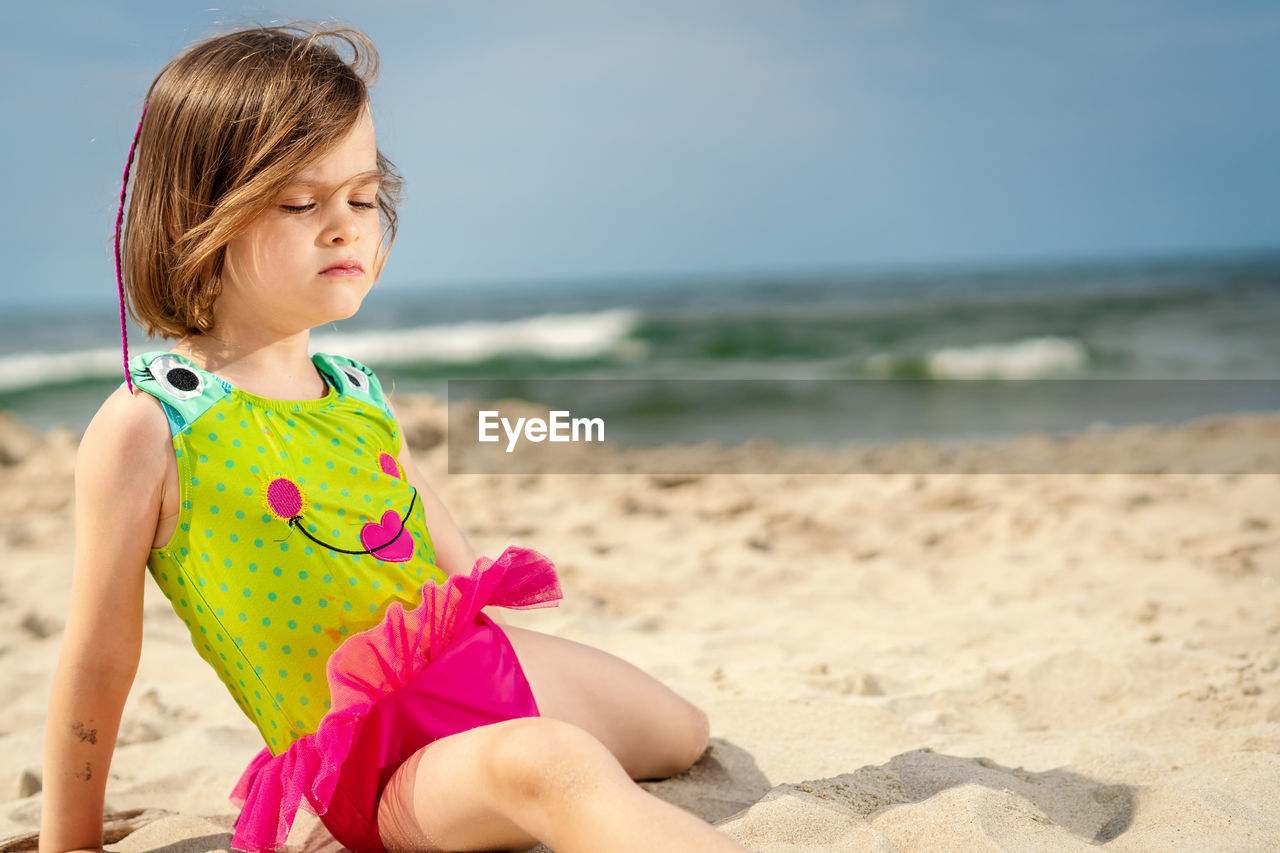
x=271, y=497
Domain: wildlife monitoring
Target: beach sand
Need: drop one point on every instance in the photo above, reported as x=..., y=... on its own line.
x=890, y=662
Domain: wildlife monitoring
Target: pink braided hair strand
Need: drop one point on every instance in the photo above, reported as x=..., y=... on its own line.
x=124, y=186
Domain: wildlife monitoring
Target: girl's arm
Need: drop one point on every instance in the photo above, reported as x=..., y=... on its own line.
x=454, y=553
x=120, y=477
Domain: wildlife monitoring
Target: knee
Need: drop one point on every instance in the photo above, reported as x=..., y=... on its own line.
x=676, y=746
x=700, y=730
x=538, y=759
x=690, y=741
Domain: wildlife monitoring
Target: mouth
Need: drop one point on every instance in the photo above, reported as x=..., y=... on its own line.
x=347, y=267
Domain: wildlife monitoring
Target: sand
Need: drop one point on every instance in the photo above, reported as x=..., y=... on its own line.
x=890, y=662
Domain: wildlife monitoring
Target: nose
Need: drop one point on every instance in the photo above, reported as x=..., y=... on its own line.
x=341, y=229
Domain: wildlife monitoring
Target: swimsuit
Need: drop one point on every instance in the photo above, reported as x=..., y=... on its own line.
x=303, y=568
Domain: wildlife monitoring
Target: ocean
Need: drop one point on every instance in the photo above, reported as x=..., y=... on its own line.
x=812, y=343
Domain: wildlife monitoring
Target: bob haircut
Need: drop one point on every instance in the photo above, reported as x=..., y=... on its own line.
x=228, y=123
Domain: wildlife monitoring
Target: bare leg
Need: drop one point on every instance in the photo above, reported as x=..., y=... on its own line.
x=652, y=731
x=512, y=784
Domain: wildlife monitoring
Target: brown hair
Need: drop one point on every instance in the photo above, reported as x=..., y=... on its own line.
x=229, y=122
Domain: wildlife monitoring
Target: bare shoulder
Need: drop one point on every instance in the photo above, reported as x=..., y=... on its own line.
x=134, y=426
x=120, y=486
x=126, y=445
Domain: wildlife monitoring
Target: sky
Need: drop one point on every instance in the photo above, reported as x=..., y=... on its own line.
x=574, y=139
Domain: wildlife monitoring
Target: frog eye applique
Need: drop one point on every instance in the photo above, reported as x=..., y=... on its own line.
x=357, y=377
x=176, y=377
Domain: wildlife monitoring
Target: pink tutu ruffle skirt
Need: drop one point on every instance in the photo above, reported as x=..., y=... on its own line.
x=418, y=676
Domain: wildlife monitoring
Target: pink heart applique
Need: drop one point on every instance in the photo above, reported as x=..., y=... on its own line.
x=378, y=535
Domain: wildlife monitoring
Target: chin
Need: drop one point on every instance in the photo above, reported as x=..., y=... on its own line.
x=351, y=312
x=340, y=309
x=331, y=317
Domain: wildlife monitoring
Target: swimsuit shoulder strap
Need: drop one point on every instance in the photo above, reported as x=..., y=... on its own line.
x=185, y=391
x=352, y=378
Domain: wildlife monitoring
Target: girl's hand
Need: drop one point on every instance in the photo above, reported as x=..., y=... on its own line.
x=121, y=475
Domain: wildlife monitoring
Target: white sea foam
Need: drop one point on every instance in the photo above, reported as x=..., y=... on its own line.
x=1032, y=358
x=551, y=336
x=28, y=370
x=548, y=336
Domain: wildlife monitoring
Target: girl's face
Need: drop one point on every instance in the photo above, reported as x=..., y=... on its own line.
x=312, y=257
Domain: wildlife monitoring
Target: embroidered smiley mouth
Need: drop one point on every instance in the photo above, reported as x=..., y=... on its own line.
x=386, y=539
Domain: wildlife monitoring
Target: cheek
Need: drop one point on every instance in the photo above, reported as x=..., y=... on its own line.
x=257, y=255
x=243, y=258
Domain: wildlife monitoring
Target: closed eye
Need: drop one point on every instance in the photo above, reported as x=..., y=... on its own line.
x=303, y=208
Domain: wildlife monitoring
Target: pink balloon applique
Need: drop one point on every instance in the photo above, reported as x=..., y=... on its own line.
x=284, y=498
x=387, y=463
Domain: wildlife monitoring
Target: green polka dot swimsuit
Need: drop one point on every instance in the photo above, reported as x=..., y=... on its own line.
x=296, y=529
